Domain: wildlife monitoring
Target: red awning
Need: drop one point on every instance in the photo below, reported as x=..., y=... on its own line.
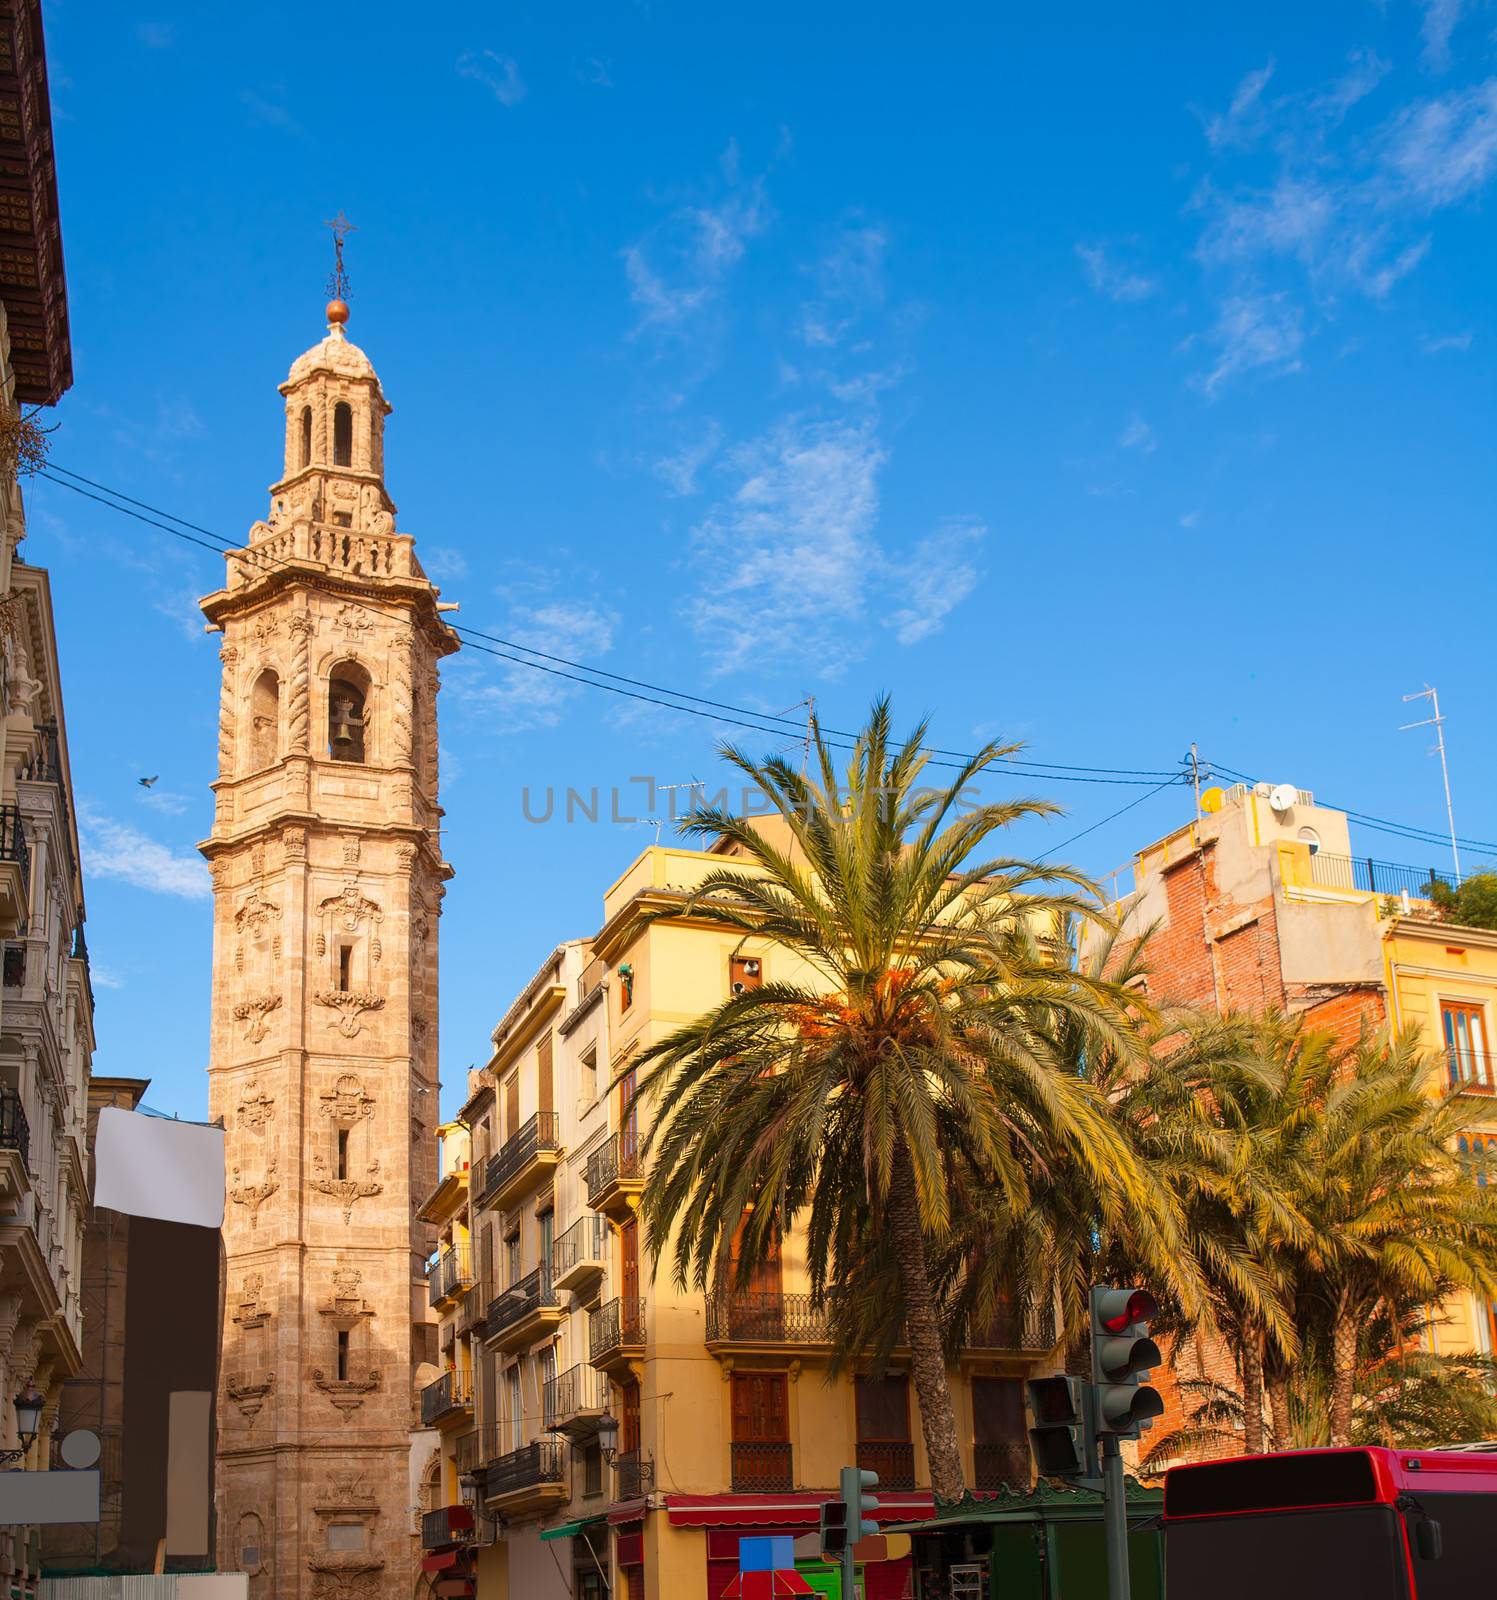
x=780, y=1510
x=439, y=1562
x=766, y=1585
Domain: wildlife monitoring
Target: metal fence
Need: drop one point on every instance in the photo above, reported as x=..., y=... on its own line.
x=761, y=1466
x=577, y=1389
x=893, y=1462
x=542, y=1132
x=540, y=1461
x=453, y=1391
x=767, y=1318
x=521, y=1299
x=616, y=1158
x=1370, y=876
x=585, y=1240
x=614, y=1326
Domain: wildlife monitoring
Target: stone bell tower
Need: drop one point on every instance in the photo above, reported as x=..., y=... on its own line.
x=327, y=881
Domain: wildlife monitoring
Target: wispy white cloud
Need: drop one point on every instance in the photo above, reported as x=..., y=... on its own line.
x=1440, y=151
x=1189, y=519
x=104, y=977
x=166, y=801
x=1449, y=341
x=114, y=849
x=443, y=563
x=678, y=471
x=1109, y=277
x=1440, y=19
x=1243, y=118
x=1138, y=435
x=156, y=35
x=941, y=572
x=1255, y=333
x=849, y=276
x=269, y=110
x=499, y=74
x=527, y=697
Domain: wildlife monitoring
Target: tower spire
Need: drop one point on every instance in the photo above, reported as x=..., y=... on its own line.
x=337, y=283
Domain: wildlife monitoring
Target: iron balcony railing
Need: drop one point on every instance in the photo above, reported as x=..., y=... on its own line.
x=1033, y=1328
x=615, y=1326
x=767, y=1318
x=467, y=1454
x=448, y=1525
x=893, y=1462
x=540, y=1461
x=591, y=980
x=1374, y=877
x=453, y=1391
x=761, y=1467
x=577, y=1389
x=449, y=1273
x=15, y=1131
x=615, y=1159
x=997, y=1465
x=585, y=1240
x=13, y=845
x=1471, y=1071
x=636, y=1474
x=542, y=1132
x=473, y=1308
x=530, y=1294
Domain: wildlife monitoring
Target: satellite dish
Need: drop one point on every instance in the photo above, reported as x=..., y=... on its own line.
x=80, y=1448
x=1283, y=797
x=1212, y=799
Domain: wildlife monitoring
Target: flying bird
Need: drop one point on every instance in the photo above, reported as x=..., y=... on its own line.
x=146, y=783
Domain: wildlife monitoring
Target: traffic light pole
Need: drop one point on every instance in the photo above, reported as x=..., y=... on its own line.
x=849, y=1574
x=1115, y=1516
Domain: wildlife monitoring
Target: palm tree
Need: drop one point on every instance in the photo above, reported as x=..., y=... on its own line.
x=914, y=1067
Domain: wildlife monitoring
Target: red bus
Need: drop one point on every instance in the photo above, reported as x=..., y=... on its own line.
x=1354, y=1524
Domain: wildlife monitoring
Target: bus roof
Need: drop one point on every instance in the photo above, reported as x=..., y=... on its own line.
x=1301, y=1479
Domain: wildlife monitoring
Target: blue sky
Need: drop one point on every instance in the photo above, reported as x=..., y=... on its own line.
x=1108, y=382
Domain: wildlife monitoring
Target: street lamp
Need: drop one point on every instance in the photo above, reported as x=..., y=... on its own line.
x=608, y=1437
x=28, y=1418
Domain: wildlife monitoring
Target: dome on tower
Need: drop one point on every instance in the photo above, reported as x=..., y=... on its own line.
x=334, y=354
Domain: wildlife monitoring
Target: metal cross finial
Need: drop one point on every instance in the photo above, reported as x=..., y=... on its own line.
x=337, y=283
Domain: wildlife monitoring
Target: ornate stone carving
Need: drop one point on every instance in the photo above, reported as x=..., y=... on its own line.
x=250, y=1312
x=254, y=1195
x=405, y=854
x=294, y=843
x=401, y=674
x=346, y=1306
x=344, y=1190
x=257, y=913
x=348, y=908
x=353, y=622
x=346, y=1101
x=350, y=1005
x=346, y=1393
x=256, y=1108
x=299, y=701
x=255, y=1011
x=351, y=846
x=266, y=629
x=248, y=1391
x=229, y=656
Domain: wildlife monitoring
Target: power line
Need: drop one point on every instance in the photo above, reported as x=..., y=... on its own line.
x=580, y=673
x=1138, y=800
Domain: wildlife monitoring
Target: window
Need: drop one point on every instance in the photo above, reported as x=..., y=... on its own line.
x=761, y=1433
x=342, y=1368
x=545, y=1368
x=1000, y=1452
x=342, y=434
x=1308, y=836
x=1479, y=1152
x=592, y=1470
x=265, y=720
x=589, y=1080
x=744, y=973
x=546, y=1220
x=342, y=1152
x=1466, y=1055
x=515, y=1408
x=884, y=1443
x=306, y=436
x=347, y=699
x=345, y=968
x=512, y=1259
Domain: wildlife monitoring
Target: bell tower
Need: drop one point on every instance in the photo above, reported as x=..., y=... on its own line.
x=327, y=882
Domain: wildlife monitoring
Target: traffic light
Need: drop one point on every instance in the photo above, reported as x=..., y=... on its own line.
x=1060, y=1439
x=833, y=1529
x=1123, y=1355
x=860, y=1505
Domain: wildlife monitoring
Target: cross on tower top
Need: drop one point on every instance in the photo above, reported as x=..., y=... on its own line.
x=337, y=283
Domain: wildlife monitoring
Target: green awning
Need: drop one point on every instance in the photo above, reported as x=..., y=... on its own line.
x=569, y=1529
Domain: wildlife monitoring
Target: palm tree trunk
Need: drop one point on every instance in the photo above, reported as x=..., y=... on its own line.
x=1252, y=1395
x=923, y=1329
x=1276, y=1381
x=1343, y=1374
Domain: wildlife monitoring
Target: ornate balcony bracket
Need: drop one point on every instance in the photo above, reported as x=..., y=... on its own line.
x=346, y=1393
x=350, y=1004
x=248, y=1392
x=345, y=1190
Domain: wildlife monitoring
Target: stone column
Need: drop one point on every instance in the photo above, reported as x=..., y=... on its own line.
x=229, y=656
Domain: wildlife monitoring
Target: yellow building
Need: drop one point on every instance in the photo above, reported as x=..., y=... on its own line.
x=628, y=1433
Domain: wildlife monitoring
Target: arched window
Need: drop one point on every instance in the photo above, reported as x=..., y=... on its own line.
x=347, y=701
x=342, y=434
x=265, y=720
x=306, y=436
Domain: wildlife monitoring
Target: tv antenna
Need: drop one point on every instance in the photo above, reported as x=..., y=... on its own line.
x=1437, y=722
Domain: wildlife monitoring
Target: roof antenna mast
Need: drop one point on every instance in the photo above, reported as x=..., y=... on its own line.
x=1437, y=722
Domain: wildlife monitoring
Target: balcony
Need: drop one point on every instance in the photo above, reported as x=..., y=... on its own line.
x=15, y=1131
x=1364, y=875
x=473, y=1308
x=615, y=1176
x=616, y=1334
x=751, y=1321
x=635, y=1470
x=893, y=1462
x=580, y=1254
x=996, y=1466
x=761, y=1467
x=449, y=1275
x=1025, y=1333
x=523, y=1161
x=530, y=1479
x=1470, y=1071
x=467, y=1453
x=450, y=1396
x=573, y=1401
x=523, y=1312
x=447, y=1526
x=15, y=870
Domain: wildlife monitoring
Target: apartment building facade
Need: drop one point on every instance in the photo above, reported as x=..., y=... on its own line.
x=628, y=1433
x=1261, y=904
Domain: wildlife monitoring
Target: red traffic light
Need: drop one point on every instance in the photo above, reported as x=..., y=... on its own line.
x=1141, y=1307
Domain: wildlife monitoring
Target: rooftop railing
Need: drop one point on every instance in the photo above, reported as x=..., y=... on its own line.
x=1365, y=875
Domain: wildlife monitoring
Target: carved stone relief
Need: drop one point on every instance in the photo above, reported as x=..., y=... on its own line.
x=254, y=1195
x=344, y=1190
x=255, y=1012
x=251, y=1311
x=256, y=1108
x=350, y=1004
x=248, y=1390
x=346, y=1101
x=346, y=1393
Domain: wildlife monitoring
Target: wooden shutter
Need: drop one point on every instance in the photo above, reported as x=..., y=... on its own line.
x=761, y=1412
x=512, y=1105
x=629, y=1250
x=543, y=1075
